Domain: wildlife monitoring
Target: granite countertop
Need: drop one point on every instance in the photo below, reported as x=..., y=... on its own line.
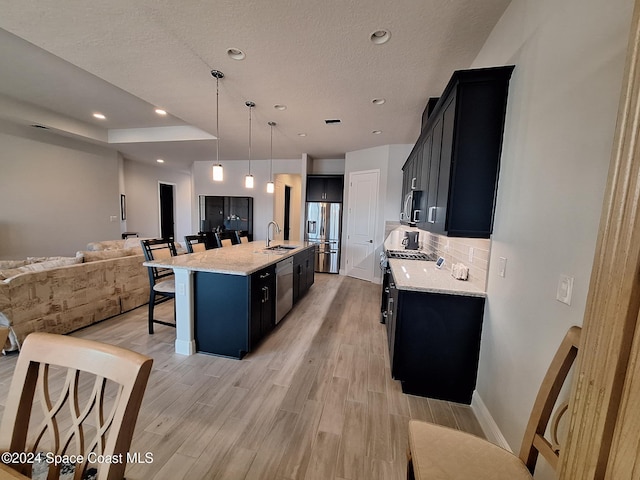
x=242, y=259
x=423, y=276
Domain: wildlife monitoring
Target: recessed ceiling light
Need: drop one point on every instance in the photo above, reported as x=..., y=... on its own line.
x=99, y=116
x=235, y=54
x=378, y=101
x=280, y=107
x=380, y=36
x=302, y=134
x=160, y=111
x=377, y=132
x=160, y=160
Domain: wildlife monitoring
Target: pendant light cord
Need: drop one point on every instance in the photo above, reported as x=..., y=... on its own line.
x=250, y=105
x=271, y=155
x=217, y=120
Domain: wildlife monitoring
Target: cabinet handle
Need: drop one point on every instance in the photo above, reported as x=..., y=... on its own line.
x=432, y=215
x=266, y=293
x=413, y=183
x=416, y=214
x=390, y=308
x=264, y=275
x=386, y=290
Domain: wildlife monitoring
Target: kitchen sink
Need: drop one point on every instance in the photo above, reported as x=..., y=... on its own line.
x=280, y=248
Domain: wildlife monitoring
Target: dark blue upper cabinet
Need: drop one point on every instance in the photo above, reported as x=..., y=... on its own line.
x=460, y=159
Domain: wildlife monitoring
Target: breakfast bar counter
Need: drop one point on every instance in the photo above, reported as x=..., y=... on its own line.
x=225, y=297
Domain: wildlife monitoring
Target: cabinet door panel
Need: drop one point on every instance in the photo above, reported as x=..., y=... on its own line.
x=333, y=189
x=315, y=189
x=438, y=344
x=445, y=167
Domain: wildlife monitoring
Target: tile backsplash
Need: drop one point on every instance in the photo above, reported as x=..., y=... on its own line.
x=456, y=250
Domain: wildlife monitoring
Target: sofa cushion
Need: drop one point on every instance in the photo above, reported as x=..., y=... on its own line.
x=105, y=245
x=40, y=266
x=7, y=264
x=94, y=256
x=134, y=242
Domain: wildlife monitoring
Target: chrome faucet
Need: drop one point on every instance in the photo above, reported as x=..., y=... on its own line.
x=276, y=230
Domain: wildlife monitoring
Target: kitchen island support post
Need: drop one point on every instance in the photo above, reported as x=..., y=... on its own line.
x=185, y=338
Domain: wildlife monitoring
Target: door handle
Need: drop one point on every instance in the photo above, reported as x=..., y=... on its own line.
x=370, y=241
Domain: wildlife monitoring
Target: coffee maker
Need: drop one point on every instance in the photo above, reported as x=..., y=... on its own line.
x=410, y=240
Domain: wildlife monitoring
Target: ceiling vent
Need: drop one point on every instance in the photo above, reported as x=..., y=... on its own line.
x=35, y=125
x=333, y=121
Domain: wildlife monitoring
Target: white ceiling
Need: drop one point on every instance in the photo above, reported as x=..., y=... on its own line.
x=124, y=58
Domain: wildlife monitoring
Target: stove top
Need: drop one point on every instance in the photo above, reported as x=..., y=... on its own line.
x=410, y=255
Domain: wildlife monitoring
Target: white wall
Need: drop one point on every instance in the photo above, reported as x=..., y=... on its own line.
x=233, y=185
x=56, y=194
x=389, y=160
x=327, y=166
x=563, y=98
x=142, y=193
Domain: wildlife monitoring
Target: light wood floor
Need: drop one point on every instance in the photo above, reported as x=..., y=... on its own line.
x=314, y=401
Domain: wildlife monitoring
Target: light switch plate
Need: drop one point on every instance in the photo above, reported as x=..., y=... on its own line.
x=502, y=266
x=565, y=289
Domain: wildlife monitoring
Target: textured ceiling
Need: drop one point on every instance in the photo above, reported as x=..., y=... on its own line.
x=124, y=58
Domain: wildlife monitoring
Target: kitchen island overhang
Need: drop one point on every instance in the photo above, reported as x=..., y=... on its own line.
x=204, y=306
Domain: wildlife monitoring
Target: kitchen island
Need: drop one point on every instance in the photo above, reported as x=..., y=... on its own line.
x=226, y=297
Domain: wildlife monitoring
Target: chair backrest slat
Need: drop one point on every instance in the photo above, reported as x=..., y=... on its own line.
x=99, y=420
x=534, y=441
x=195, y=243
x=157, y=249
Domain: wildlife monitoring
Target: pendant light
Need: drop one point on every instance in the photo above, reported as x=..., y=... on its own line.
x=218, y=172
x=270, y=185
x=248, y=179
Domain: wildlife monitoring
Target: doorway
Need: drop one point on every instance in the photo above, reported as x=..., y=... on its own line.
x=287, y=211
x=167, y=209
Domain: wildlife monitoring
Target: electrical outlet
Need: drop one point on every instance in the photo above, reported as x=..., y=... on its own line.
x=565, y=289
x=181, y=289
x=471, y=254
x=502, y=266
x=113, y=218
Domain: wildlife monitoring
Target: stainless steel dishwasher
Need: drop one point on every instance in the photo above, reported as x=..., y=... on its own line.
x=284, y=288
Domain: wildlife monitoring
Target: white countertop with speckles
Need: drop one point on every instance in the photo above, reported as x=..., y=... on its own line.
x=422, y=276
x=242, y=259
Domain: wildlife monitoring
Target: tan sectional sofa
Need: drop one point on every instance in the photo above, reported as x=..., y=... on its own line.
x=61, y=299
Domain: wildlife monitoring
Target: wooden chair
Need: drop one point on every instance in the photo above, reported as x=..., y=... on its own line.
x=89, y=395
x=227, y=238
x=195, y=243
x=161, y=280
x=444, y=453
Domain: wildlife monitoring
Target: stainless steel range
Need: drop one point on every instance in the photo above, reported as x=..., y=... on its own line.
x=411, y=255
x=384, y=266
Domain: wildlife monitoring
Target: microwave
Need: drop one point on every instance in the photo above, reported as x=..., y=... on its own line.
x=411, y=208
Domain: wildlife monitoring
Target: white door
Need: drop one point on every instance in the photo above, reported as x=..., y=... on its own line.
x=361, y=223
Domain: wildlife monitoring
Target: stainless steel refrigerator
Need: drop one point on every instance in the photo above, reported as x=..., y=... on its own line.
x=323, y=223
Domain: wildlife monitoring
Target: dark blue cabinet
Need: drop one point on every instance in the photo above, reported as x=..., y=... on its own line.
x=434, y=342
x=461, y=144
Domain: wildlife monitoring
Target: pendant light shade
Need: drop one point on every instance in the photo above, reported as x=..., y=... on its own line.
x=270, y=185
x=218, y=172
x=248, y=179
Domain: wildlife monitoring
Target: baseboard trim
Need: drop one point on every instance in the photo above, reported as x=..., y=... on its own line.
x=488, y=424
